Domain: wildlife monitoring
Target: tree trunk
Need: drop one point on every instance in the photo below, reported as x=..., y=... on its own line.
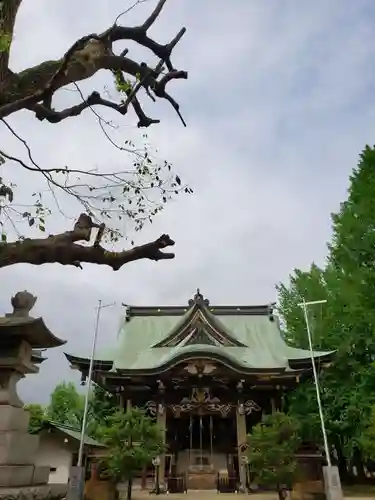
x=144, y=478
x=129, y=491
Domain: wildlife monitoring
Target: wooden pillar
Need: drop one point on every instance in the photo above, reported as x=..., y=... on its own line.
x=161, y=420
x=241, y=434
x=278, y=399
x=241, y=440
x=122, y=401
x=273, y=404
x=128, y=404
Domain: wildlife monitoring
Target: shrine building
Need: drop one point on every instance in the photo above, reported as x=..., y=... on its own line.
x=207, y=374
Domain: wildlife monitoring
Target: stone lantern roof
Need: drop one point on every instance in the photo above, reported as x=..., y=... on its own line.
x=23, y=327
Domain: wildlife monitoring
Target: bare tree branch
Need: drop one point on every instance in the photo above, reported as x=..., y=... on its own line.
x=33, y=88
x=150, y=21
x=64, y=249
x=127, y=191
x=136, y=194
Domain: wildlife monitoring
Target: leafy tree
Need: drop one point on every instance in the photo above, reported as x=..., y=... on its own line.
x=135, y=192
x=273, y=444
x=308, y=285
x=133, y=440
x=346, y=386
x=345, y=323
x=367, y=438
x=352, y=255
x=66, y=405
x=37, y=417
x=102, y=406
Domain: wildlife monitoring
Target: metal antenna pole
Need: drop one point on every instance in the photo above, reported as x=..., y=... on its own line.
x=89, y=380
x=304, y=305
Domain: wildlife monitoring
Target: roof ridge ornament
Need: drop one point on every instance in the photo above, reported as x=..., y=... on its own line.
x=198, y=300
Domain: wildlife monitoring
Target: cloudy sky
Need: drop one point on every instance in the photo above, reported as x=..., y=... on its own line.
x=279, y=103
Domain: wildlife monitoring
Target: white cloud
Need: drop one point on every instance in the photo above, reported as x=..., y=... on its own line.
x=278, y=105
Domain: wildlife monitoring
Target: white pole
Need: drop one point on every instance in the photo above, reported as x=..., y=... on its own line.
x=304, y=305
x=89, y=377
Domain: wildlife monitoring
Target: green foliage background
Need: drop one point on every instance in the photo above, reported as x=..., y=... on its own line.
x=66, y=407
x=346, y=323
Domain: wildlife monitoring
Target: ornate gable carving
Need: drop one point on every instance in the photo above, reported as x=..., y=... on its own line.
x=199, y=326
x=199, y=332
x=200, y=367
x=200, y=336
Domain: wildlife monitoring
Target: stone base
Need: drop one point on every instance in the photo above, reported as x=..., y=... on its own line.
x=41, y=474
x=13, y=419
x=23, y=475
x=45, y=492
x=332, y=483
x=307, y=490
x=17, y=448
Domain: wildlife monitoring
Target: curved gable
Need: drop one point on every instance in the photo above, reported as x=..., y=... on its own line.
x=199, y=326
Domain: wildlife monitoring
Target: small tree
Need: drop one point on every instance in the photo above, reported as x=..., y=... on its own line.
x=102, y=405
x=133, y=439
x=272, y=447
x=66, y=405
x=37, y=417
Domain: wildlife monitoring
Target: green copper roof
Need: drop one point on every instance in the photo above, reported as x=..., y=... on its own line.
x=265, y=347
x=247, y=338
x=74, y=434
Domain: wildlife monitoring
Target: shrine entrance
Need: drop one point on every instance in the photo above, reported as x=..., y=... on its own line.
x=204, y=445
x=210, y=432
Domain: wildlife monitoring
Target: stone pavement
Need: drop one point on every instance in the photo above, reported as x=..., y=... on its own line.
x=204, y=495
x=213, y=495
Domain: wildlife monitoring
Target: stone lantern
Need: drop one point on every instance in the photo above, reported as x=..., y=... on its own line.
x=22, y=338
